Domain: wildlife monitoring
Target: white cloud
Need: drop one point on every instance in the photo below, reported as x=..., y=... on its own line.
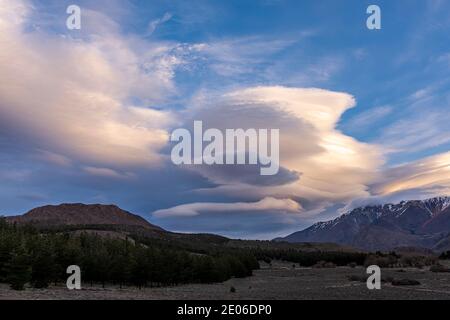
x=71, y=97
x=106, y=172
x=234, y=57
x=331, y=166
x=420, y=131
x=430, y=175
x=156, y=23
x=367, y=118
x=417, y=180
x=266, y=204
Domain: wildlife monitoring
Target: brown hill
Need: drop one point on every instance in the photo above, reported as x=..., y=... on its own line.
x=82, y=214
x=109, y=221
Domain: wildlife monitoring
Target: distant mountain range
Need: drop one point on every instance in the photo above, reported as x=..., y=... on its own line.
x=423, y=224
x=111, y=221
x=409, y=224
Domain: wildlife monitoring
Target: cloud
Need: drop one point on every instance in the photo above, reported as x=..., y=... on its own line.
x=420, y=131
x=266, y=204
x=367, y=118
x=321, y=71
x=84, y=112
x=309, y=142
x=417, y=180
x=72, y=97
x=53, y=158
x=241, y=56
x=106, y=172
x=156, y=23
x=319, y=163
x=248, y=174
x=430, y=175
x=17, y=175
x=422, y=123
x=444, y=59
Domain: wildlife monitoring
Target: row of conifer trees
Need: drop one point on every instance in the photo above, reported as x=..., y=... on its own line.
x=30, y=257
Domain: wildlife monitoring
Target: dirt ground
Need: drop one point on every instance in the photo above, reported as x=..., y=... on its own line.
x=280, y=281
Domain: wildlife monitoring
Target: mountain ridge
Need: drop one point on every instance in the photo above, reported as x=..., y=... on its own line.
x=70, y=214
x=108, y=220
x=414, y=223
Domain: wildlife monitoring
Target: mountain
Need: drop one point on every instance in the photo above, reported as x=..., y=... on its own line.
x=112, y=221
x=424, y=224
x=82, y=214
x=109, y=221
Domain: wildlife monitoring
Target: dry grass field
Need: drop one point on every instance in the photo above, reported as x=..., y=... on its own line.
x=280, y=281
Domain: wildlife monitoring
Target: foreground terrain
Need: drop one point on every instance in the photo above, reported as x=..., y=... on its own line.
x=280, y=281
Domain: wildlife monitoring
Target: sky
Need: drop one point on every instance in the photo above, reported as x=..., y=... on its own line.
x=86, y=115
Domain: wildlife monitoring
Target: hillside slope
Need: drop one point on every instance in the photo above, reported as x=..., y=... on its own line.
x=407, y=224
x=82, y=214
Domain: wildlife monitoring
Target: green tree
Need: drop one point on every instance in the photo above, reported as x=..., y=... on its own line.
x=6, y=247
x=43, y=265
x=19, y=269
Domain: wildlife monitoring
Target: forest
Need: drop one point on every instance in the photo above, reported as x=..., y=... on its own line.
x=40, y=257
x=28, y=256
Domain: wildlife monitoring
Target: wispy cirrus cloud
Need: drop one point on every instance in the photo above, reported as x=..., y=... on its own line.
x=367, y=118
x=415, y=180
x=431, y=175
x=153, y=25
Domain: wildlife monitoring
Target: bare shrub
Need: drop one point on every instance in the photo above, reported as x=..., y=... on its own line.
x=439, y=268
x=324, y=264
x=405, y=282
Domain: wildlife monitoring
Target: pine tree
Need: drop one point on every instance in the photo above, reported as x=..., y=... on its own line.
x=6, y=246
x=140, y=270
x=120, y=264
x=19, y=269
x=43, y=266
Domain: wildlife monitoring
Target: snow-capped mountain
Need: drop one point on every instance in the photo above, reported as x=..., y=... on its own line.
x=417, y=223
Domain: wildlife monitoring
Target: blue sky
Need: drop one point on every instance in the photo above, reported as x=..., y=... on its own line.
x=85, y=114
